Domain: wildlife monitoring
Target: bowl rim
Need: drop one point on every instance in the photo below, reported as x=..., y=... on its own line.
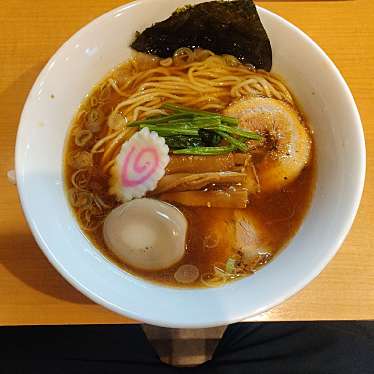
x=351, y=211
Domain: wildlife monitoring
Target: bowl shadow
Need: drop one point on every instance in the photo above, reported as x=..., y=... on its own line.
x=22, y=257
x=19, y=253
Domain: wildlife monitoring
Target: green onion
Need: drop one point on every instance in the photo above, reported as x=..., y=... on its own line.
x=198, y=123
x=186, y=124
x=202, y=126
x=230, y=265
x=235, y=142
x=167, y=131
x=160, y=119
x=183, y=124
x=204, y=151
x=190, y=125
x=181, y=109
x=213, y=119
x=235, y=131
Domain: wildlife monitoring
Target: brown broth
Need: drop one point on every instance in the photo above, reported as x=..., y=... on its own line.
x=281, y=212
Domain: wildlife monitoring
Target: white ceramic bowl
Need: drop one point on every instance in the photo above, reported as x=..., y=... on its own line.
x=68, y=77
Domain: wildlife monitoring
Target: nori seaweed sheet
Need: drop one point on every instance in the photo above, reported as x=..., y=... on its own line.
x=224, y=27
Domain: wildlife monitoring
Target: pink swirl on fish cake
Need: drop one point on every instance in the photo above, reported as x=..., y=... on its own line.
x=137, y=167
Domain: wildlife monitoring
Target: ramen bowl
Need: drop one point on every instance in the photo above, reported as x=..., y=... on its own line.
x=58, y=91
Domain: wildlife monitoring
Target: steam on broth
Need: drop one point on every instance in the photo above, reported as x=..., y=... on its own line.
x=243, y=197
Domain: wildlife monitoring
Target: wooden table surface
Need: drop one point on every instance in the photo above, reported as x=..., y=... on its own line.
x=32, y=292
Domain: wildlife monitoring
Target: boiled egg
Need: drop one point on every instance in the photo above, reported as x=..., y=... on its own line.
x=146, y=234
